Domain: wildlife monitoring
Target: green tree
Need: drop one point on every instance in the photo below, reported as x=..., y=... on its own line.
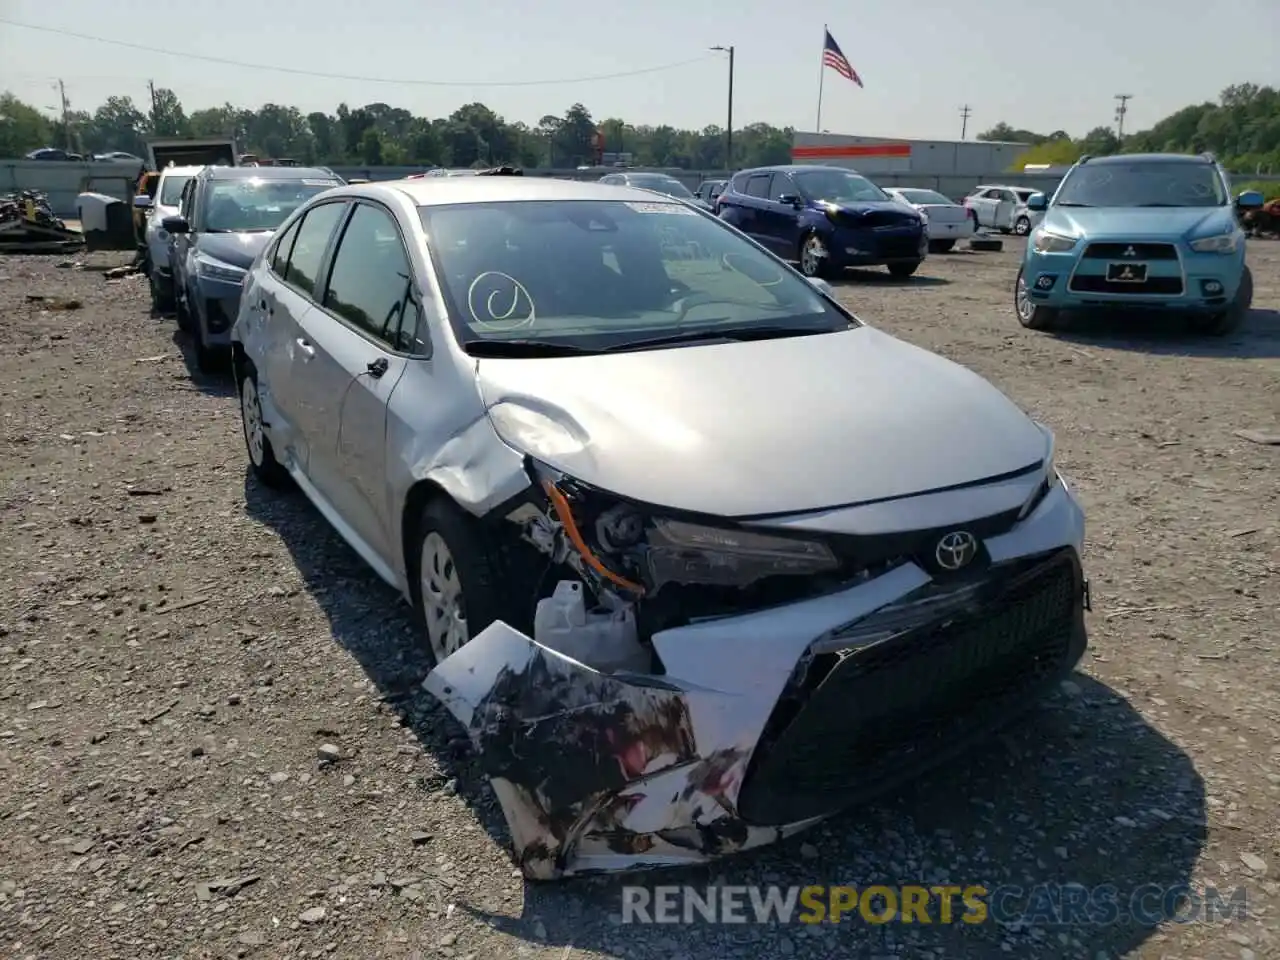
x=371, y=147
x=23, y=128
x=167, y=116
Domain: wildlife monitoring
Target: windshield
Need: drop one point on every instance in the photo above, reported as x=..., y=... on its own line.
x=924, y=196
x=668, y=185
x=253, y=204
x=171, y=190
x=599, y=275
x=836, y=186
x=1143, y=184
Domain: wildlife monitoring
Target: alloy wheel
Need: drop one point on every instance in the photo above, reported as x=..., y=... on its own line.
x=1022, y=299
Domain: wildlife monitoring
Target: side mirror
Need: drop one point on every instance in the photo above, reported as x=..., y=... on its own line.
x=790, y=199
x=142, y=202
x=1250, y=200
x=176, y=224
x=822, y=286
x=1037, y=201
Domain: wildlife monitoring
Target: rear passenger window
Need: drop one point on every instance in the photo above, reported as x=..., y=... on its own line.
x=739, y=183
x=370, y=283
x=309, y=245
x=284, y=245
x=758, y=185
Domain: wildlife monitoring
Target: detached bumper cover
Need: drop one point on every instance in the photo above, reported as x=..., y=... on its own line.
x=768, y=722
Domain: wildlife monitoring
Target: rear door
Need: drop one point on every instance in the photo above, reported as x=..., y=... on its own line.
x=1006, y=204
x=755, y=202
x=362, y=334
x=782, y=220
x=286, y=295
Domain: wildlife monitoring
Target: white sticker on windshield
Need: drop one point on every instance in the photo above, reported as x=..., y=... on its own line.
x=320, y=183
x=674, y=208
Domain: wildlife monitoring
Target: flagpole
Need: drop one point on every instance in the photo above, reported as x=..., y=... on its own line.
x=822, y=69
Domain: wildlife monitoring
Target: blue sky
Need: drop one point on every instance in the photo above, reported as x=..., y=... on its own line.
x=1041, y=66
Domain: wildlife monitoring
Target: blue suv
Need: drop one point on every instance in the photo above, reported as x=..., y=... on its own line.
x=826, y=218
x=1144, y=231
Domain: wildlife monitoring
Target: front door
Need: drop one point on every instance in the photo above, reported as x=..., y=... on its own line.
x=782, y=222
x=360, y=335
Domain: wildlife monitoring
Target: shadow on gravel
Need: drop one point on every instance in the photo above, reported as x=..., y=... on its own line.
x=1081, y=792
x=371, y=622
x=1156, y=333
x=884, y=278
x=218, y=383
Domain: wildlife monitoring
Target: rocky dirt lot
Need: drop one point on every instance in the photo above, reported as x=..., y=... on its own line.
x=213, y=742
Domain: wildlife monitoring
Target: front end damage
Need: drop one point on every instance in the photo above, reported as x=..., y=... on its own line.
x=694, y=689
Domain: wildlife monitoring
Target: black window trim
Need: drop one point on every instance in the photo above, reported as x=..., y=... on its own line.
x=415, y=296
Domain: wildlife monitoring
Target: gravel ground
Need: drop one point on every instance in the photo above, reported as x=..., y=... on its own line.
x=180, y=650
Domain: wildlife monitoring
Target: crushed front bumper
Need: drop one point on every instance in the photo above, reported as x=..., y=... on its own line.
x=770, y=721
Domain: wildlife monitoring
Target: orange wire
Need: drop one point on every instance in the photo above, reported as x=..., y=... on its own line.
x=565, y=513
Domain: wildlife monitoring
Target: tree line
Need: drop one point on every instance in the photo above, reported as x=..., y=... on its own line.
x=1243, y=129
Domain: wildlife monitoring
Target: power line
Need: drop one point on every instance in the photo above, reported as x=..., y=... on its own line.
x=965, y=114
x=1122, y=107
x=338, y=76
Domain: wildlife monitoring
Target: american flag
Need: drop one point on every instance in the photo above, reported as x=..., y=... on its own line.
x=833, y=57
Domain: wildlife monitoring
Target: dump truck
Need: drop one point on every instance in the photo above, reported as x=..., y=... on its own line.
x=191, y=151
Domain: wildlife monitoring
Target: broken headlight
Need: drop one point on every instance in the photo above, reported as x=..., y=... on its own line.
x=681, y=552
x=634, y=548
x=1048, y=476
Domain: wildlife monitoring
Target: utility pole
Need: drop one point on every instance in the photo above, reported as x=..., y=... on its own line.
x=728, y=133
x=151, y=88
x=965, y=114
x=1122, y=107
x=66, y=109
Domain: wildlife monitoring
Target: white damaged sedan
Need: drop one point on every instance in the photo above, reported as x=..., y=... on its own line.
x=702, y=558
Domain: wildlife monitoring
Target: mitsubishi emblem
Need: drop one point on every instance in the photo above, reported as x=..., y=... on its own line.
x=1130, y=252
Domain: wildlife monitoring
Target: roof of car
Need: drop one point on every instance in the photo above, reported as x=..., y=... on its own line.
x=1149, y=158
x=269, y=173
x=434, y=191
x=797, y=168
x=182, y=171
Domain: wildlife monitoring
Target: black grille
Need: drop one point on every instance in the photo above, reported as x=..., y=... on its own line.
x=886, y=712
x=875, y=218
x=1141, y=251
x=1158, y=286
x=215, y=317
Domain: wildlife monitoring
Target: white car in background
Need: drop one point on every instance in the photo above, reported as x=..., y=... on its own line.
x=945, y=220
x=1004, y=208
x=164, y=204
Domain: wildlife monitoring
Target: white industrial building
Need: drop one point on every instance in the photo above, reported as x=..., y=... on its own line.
x=921, y=158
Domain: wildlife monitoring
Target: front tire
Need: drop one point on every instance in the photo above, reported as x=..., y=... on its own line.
x=814, y=260
x=262, y=458
x=1022, y=227
x=458, y=584
x=1030, y=314
x=1231, y=319
x=901, y=271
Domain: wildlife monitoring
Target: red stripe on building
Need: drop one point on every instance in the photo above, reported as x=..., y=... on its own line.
x=852, y=150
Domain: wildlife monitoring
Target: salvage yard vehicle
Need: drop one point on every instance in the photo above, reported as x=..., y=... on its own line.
x=1140, y=231
x=226, y=216
x=827, y=218
x=678, y=614
x=168, y=186
x=659, y=183
x=1003, y=208
x=945, y=220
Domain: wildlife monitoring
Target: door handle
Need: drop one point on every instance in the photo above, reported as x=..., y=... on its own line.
x=376, y=368
x=266, y=307
x=305, y=346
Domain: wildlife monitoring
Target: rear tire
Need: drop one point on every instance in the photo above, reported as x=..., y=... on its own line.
x=1231, y=319
x=1030, y=314
x=941, y=246
x=1023, y=226
x=901, y=271
x=262, y=457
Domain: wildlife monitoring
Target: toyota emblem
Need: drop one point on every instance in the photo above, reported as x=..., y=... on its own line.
x=956, y=550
